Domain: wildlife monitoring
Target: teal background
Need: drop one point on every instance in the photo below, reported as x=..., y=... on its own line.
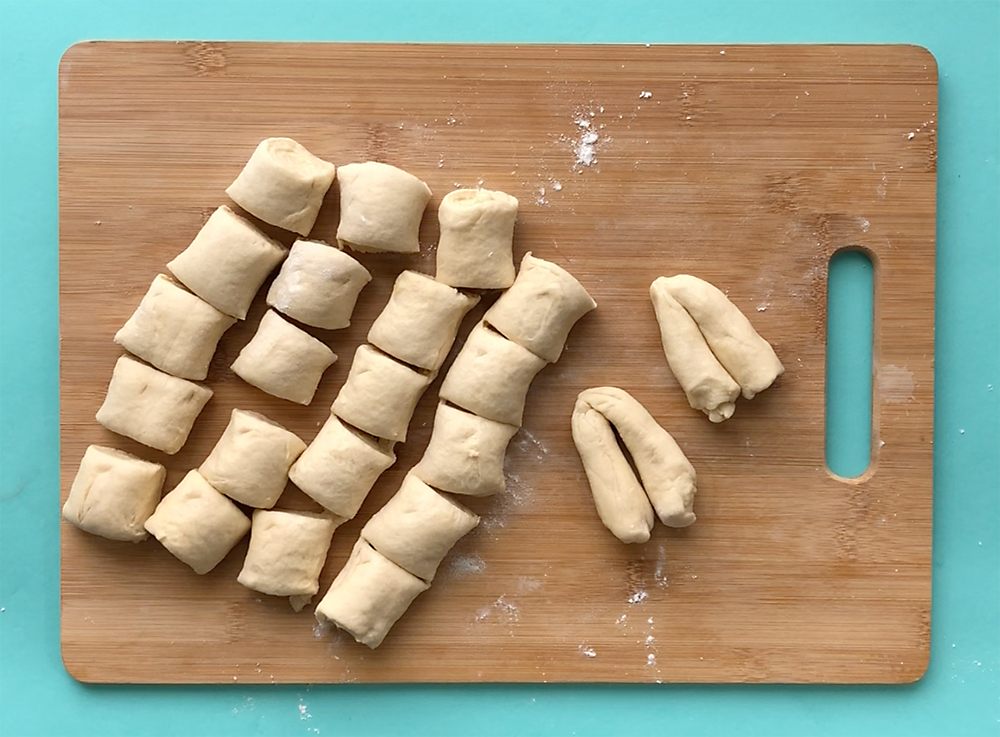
x=960, y=695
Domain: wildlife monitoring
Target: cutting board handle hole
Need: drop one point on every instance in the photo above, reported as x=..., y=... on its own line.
x=849, y=344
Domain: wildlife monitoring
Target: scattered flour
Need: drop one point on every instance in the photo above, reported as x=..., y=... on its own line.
x=303, y=711
x=502, y=609
x=638, y=597
x=527, y=583
x=588, y=139
x=588, y=651
x=622, y=619
x=467, y=565
x=321, y=630
x=651, y=659
x=644, y=95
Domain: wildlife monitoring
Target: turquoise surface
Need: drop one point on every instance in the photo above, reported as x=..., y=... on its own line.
x=959, y=694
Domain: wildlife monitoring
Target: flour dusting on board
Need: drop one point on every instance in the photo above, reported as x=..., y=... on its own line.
x=501, y=610
x=638, y=597
x=524, y=450
x=587, y=651
x=588, y=138
x=467, y=565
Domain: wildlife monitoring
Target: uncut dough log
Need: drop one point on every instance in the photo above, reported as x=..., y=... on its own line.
x=476, y=245
x=491, y=376
x=113, y=494
x=465, y=453
x=174, y=330
x=380, y=394
x=668, y=478
x=286, y=553
x=380, y=208
x=198, y=524
x=747, y=357
x=227, y=262
x=420, y=321
x=340, y=466
x=283, y=184
x=151, y=407
x=417, y=527
x=250, y=462
x=369, y=595
x=318, y=285
x=706, y=383
x=540, y=308
x=283, y=360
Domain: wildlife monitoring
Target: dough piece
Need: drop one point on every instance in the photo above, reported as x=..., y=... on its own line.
x=318, y=285
x=174, y=330
x=113, y=494
x=380, y=394
x=198, y=524
x=250, y=462
x=227, y=262
x=491, y=376
x=540, y=308
x=369, y=595
x=707, y=385
x=283, y=360
x=287, y=552
x=465, y=453
x=152, y=407
x=476, y=245
x=417, y=527
x=667, y=476
x=283, y=184
x=419, y=323
x=747, y=357
x=621, y=503
x=380, y=208
x=340, y=467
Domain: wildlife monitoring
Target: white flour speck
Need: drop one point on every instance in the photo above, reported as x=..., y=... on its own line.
x=526, y=584
x=557, y=186
x=504, y=610
x=649, y=621
x=651, y=659
x=723, y=52
x=638, y=597
x=304, y=711
x=650, y=640
x=622, y=619
x=865, y=225
x=911, y=136
x=588, y=651
x=467, y=565
x=762, y=307
x=644, y=95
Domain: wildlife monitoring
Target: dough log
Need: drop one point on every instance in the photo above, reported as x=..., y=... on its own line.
x=476, y=245
x=380, y=208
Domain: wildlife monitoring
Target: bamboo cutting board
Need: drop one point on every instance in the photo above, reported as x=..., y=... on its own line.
x=748, y=166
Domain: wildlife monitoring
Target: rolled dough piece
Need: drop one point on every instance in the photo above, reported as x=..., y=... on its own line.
x=540, y=308
x=667, y=476
x=151, y=407
x=250, y=462
x=417, y=527
x=491, y=376
x=465, y=453
x=419, y=323
x=380, y=394
x=707, y=385
x=621, y=503
x=283, y=360
x=287, y=552
x=340, y=466
x=747, y=357
x=318, y=285
x=227, y=262
x=174, y=330
x=369, y=595
x=476, y=245
x=380, y=208
x=198, y=524
x=283, y=184
x=113, y=494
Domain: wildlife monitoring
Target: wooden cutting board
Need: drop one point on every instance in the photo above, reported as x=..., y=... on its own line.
x=746, y=165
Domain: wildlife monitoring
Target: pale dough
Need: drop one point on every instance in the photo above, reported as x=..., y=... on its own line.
x=113, y=494
x=707, y=385
x=465, y=453
x=318, y=285
x=380, y=208
x=540, y=308
x=287, y=552
x=250, y=462
x=417, y=527
x=174, y=330
x=283, y=360
x=667, y=476
x=380, y=394
x=197, y=523
x=283, y=184
x=476, y=245
x=747, y=357
x=227, y=262
x=419, y=323
x=340, y=466
x=491, y=376
x=152, y=407
x=369, y=595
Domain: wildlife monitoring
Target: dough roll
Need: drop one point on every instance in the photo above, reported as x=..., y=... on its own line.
x=380, y=208
x=476, y=245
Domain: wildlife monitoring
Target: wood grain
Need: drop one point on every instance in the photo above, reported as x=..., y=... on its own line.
x=749, y=168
